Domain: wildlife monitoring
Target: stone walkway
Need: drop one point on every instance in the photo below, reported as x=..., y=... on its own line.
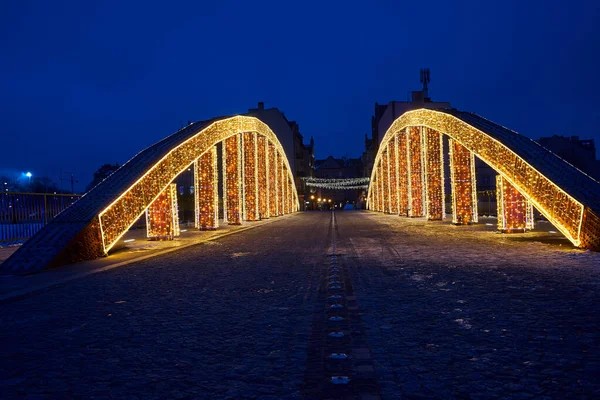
x=440, y=312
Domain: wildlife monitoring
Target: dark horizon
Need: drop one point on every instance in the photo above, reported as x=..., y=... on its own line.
x=90, y=84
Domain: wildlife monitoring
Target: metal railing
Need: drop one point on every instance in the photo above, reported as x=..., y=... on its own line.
x=23, y=214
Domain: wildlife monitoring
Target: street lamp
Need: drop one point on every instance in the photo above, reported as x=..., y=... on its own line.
x=28, y=174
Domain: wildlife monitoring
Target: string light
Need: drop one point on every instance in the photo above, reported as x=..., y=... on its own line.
x=403, y=173
x=515, y=212
x=162, y=216
x=464, y=194
x=206, y=191
x=263, y=181
x=434, y=174
x=417, y=202
x=232, y=188
x=116, y=219
x=579, y=223
x=341, y=181
x=251, y=176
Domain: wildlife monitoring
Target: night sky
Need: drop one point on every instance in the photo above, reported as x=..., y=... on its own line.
x=85, y=83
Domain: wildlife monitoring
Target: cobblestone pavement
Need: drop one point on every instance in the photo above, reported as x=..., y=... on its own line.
x=226, y=319
x=439, y=312
x=456, y=312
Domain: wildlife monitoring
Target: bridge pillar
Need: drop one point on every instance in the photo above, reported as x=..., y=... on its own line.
x=381, y=188
x=385, y=178
x=250, y=176
x=416, y=193
x=515, y=212
x=162, y=216
x=393, y=179
x=263, y=180
x=232, y=176
x=433, y=152
x=464, y=190
x=206, y=192
x=273, y=182
x=403, y=181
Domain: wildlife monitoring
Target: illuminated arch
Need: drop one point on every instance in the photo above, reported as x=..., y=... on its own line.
x=94, y=224
x=563, y=194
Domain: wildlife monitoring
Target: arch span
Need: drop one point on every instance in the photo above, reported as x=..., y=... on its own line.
x=94, y=224
x=566, y=196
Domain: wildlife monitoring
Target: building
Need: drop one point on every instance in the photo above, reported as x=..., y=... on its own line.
x=337, y=168
x=579, y=153
x=385, y=114
x=301, y=156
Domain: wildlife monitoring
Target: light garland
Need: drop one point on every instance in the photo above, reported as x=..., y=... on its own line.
x=403, y=173
x=339, y=181
x=263, y=181
x=515, y=212
x=116, y=219
x=464, y=192
x=162, y=219
x=273, y=186
x=232, y=188
x=206, y=191
x=434, y=174
x=250, y=176
x=393, y=176
x=417, y=206
x=578, y=223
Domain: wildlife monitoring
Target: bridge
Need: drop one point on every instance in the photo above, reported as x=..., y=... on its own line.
x=408, y=176
x=317, y=304
x=257, y=182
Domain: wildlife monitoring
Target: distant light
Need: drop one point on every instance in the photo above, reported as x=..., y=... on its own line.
x=129, y=240
x=183, y=230
x=28, y=174
x=551, y=231
x=490, y=224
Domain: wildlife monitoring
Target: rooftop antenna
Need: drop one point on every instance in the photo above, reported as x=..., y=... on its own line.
x=425, y=79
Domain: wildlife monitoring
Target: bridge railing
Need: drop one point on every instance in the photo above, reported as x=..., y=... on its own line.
x=23, y=214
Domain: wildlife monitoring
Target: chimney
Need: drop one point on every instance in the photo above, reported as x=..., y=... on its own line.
x=261, y=105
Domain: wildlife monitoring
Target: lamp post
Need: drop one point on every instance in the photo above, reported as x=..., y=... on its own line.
x=28, y=175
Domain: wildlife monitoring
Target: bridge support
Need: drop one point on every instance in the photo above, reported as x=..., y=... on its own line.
x=273, y=183
x=416, y=198
x=385, y=178
x=263, y=180
x=250, y=195
x=162, y=216
x=393, y=151
x=515, y=212
x=232, y=176
x=464, y=191
x=206, y=192
x=403, y=181
x=433, y=153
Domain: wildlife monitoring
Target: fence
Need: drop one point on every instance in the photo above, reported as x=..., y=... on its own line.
x=23, y=214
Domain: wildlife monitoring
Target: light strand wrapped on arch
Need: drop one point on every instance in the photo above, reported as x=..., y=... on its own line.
x=116, y=219
x=558, y=206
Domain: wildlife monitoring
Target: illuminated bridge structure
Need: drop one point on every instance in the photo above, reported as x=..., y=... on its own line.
x=408, y=176
x=257, y=183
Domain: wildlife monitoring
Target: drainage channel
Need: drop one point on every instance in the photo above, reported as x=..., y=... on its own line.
x=339, y=364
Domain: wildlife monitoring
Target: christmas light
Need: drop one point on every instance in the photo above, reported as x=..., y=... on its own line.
x=433, y=154
x=116, y=219
x=515, y=212
x=462, y=179
x=415, y=159
x=206, y=191
x=579, y=223
x=162, y=217
x=250, y=176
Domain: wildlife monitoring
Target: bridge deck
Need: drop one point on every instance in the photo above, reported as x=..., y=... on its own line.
x=432, y=310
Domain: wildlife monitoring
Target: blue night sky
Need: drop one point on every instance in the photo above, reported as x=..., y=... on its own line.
x=86, y=83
